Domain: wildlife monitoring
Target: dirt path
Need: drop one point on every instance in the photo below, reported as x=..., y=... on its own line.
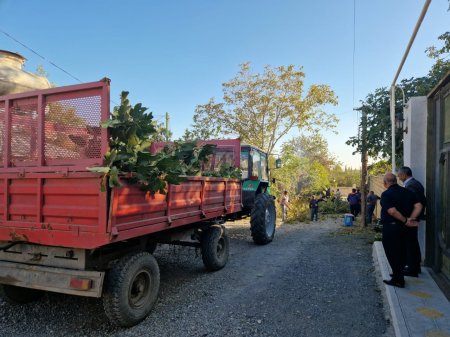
x=309, y=281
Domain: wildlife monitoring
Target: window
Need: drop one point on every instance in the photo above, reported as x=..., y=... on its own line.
x=264, y=175
x=244, y=164
x=443, y=202
x=447, y=119
x=256, y=160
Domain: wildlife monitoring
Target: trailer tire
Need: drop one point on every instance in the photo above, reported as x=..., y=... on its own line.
x=19, y=295
x=215, y=246
x=263, y=219
x=131, y=289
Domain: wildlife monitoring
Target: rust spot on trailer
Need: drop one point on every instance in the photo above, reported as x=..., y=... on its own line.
x=18, y=237
x=46, y=226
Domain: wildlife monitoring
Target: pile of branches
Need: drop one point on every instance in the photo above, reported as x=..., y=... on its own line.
x=131, y=133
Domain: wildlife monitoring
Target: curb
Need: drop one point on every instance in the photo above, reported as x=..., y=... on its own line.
x=390, y=293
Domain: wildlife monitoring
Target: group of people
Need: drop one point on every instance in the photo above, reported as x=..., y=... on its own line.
x=354, y=201
x=401, y=210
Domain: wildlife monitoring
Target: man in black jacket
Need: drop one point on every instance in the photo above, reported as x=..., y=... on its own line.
x=399, y=209
x=413, y=255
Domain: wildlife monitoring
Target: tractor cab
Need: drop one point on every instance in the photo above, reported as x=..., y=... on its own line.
x=255, y=173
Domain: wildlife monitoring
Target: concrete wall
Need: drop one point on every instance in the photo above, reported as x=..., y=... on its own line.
x=415, y=140
x=415, y=146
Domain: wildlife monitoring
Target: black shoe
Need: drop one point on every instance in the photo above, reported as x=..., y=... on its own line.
x=395, y=283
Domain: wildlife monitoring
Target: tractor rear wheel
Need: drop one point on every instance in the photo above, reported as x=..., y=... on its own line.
x=262, y=219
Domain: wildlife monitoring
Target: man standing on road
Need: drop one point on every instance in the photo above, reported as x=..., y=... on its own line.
x=353, y=201
x=399, y=207
x=413, y=255
x=284, y=203
x=314, y=208
x=371, y=203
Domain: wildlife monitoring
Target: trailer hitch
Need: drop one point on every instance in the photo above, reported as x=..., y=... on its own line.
x=9, y=245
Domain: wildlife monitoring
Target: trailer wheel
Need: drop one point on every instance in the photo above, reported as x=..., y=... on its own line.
x=263, y=217
x=215, y=246
x=19, y=295
x=131, y=289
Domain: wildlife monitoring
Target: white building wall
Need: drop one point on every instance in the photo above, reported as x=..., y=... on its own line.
x=415, y=146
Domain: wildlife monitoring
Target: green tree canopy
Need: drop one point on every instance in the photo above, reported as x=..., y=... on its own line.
x=262, y=108
x=377, y=108
x=315, y=148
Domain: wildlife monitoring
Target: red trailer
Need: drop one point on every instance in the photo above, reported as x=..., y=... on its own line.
x=59, y=232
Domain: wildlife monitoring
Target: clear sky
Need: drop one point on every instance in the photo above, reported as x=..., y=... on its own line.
x=173, y=55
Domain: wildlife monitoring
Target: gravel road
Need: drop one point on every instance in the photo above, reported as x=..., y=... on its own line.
x=312, y=280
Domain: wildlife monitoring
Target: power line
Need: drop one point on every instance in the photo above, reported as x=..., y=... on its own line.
x=36, y=53
x=354, y=49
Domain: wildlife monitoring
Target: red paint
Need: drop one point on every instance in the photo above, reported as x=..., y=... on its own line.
x=48, y=197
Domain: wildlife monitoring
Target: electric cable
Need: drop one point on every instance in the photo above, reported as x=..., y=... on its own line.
x=36, y=53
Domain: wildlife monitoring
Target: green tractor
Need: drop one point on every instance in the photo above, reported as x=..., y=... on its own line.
x=256, y=198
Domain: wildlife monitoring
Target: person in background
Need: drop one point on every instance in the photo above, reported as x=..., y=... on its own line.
x=371, y=203
x=399, y=209
x=284, y=203
x=413, y=255
x=358, y=206
x=338, y=194
x=353, y=201
x=314, y=208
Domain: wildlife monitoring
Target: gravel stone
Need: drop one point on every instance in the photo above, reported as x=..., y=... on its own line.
x=312, y=280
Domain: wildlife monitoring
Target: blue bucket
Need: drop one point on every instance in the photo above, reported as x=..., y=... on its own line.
x=348, y=219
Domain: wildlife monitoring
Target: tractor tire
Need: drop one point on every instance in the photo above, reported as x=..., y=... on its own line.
x=131, y=289
x=263, y=219
x=19, y=295
x=215, y=247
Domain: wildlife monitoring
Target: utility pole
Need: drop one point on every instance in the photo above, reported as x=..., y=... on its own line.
x=363, y=164
x=167, y=127
x=363, y=185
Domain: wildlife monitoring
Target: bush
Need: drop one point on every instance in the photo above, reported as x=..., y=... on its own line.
x=333, y=207
x=298, y=211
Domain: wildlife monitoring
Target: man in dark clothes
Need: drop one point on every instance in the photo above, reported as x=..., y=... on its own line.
x=399, y=207
x=358, y=206
x=353, y=201
x=413, y=255
x=371, y=203
x=314, y=208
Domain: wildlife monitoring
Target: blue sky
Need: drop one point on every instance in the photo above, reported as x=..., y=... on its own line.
x=173, y=55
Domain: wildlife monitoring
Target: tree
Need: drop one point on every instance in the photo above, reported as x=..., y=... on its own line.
x=377, y=107
x=161, y=132
x=205, y=127
x=262, y=108
x=315, y=148
x=345, y=176
x=301, y=174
